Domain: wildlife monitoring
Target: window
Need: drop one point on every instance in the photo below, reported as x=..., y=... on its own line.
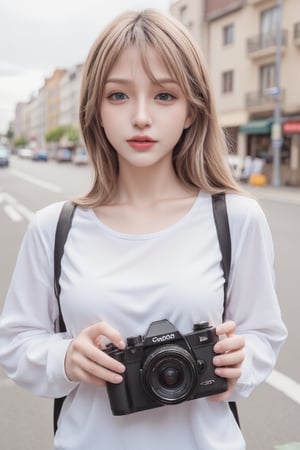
x=227, y=81
x=268, y=26
x=228, y=34
x=267, y=77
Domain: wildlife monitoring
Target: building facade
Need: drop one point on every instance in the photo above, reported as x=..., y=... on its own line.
x=240, y=44
x=52, y=98
x=69, y=86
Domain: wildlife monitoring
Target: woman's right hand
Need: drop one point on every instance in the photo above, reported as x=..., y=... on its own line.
x=85, y=361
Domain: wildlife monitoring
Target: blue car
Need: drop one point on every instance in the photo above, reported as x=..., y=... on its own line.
x=40, y=155
x=4, y=156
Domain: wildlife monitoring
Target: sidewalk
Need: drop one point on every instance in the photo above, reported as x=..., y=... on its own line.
x=280, y=194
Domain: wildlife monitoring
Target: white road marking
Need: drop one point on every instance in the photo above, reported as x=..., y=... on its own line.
x=285, y=385
x=12, y=213
x=15, y=210
x=26, y=212
x=37, y=181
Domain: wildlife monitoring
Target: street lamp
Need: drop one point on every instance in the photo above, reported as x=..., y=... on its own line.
x=276, y=134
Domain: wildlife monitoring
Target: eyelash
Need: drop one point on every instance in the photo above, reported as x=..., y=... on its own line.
x=115, y=96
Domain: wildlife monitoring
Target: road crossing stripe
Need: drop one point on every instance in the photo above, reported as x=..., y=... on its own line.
x=37, y=181
x=285, y=385
x=12, y=213
x=14, y=208
x=25, y=212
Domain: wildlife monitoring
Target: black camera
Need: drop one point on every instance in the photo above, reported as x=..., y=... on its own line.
x=165, y=368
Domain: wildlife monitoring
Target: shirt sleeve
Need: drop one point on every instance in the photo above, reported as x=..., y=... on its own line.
x=252, y=300
x=31, y=353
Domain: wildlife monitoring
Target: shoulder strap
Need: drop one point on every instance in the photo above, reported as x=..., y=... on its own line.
x=62, y=230
x=223, y=232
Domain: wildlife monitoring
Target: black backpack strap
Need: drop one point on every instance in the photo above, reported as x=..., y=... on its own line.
x=62, y=230
x=223, y=233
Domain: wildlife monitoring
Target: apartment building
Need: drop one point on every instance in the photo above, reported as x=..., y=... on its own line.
x=52, y=98
x=69, y=86
x=240, y=45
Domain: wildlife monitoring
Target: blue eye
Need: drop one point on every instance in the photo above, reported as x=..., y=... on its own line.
x=164, y=96
x=117, y=96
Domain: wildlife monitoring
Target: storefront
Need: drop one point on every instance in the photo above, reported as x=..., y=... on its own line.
x=259, y=145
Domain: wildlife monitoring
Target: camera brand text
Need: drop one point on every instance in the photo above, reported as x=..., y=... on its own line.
x=166, y=337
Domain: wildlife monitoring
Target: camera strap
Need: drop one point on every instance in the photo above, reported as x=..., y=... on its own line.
x=62, y=230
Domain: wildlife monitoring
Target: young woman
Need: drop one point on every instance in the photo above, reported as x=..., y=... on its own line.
x=143, y=247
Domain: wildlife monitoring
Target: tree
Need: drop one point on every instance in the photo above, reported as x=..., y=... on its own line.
x=72, y=134
x=20, y=141
x=55, y=134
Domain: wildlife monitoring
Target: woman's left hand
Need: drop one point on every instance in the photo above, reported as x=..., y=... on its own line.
x=230, y=357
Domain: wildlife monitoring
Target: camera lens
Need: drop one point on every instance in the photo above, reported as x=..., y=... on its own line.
x=169, y=374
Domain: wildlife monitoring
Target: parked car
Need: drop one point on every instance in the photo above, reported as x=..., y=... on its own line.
x=40, y=154
x=63, y=154
x=80, y=156
x=25, y=153
x=4, y=156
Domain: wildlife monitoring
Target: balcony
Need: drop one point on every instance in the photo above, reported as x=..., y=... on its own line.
x=264, y=45
x=259, y=102
x=297, y=34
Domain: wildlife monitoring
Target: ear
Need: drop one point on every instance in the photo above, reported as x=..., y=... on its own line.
x=189, y=118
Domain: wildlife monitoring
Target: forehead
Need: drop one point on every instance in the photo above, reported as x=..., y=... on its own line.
x=131, y=61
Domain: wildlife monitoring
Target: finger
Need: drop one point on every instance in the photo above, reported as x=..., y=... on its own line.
x=229, y=359
x=230, y=344
x=228, y=328
x=103, y=359
x=228, y=372
x=102, y=373
x=86, y=377
x=104, y=329
x=84, y=351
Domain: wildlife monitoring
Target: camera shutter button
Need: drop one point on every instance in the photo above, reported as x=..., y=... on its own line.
x=134, y=340
x=200, y=326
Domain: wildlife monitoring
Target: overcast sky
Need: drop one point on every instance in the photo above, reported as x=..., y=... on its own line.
x=37, y=36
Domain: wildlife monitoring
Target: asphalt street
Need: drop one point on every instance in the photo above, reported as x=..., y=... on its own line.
x=270, y=418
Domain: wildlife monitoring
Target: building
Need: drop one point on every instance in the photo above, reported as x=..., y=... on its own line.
x=240, y=44
x=52, y=98
x=69, y=86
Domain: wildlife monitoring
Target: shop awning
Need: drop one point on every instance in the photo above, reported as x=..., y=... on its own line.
x=262, y=126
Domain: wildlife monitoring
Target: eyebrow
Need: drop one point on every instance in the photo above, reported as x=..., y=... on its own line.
x=129, y=81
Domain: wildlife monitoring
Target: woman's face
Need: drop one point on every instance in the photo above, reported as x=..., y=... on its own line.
x=142, y=119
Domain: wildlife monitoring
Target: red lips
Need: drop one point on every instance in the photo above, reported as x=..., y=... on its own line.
x=141, y=143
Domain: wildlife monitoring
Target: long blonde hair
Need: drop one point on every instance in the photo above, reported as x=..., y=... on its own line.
x=199, y=158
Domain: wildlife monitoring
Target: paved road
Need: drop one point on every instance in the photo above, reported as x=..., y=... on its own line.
x=269, y=418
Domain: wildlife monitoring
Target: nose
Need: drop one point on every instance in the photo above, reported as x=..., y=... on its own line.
x=141, y=116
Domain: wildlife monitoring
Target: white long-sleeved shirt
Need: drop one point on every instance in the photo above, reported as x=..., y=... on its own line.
x=130, y=281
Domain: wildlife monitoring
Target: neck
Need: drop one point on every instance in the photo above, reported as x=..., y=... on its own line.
x=142, y=186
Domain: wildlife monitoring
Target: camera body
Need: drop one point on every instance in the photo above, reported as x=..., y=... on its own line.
x=165, y=368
